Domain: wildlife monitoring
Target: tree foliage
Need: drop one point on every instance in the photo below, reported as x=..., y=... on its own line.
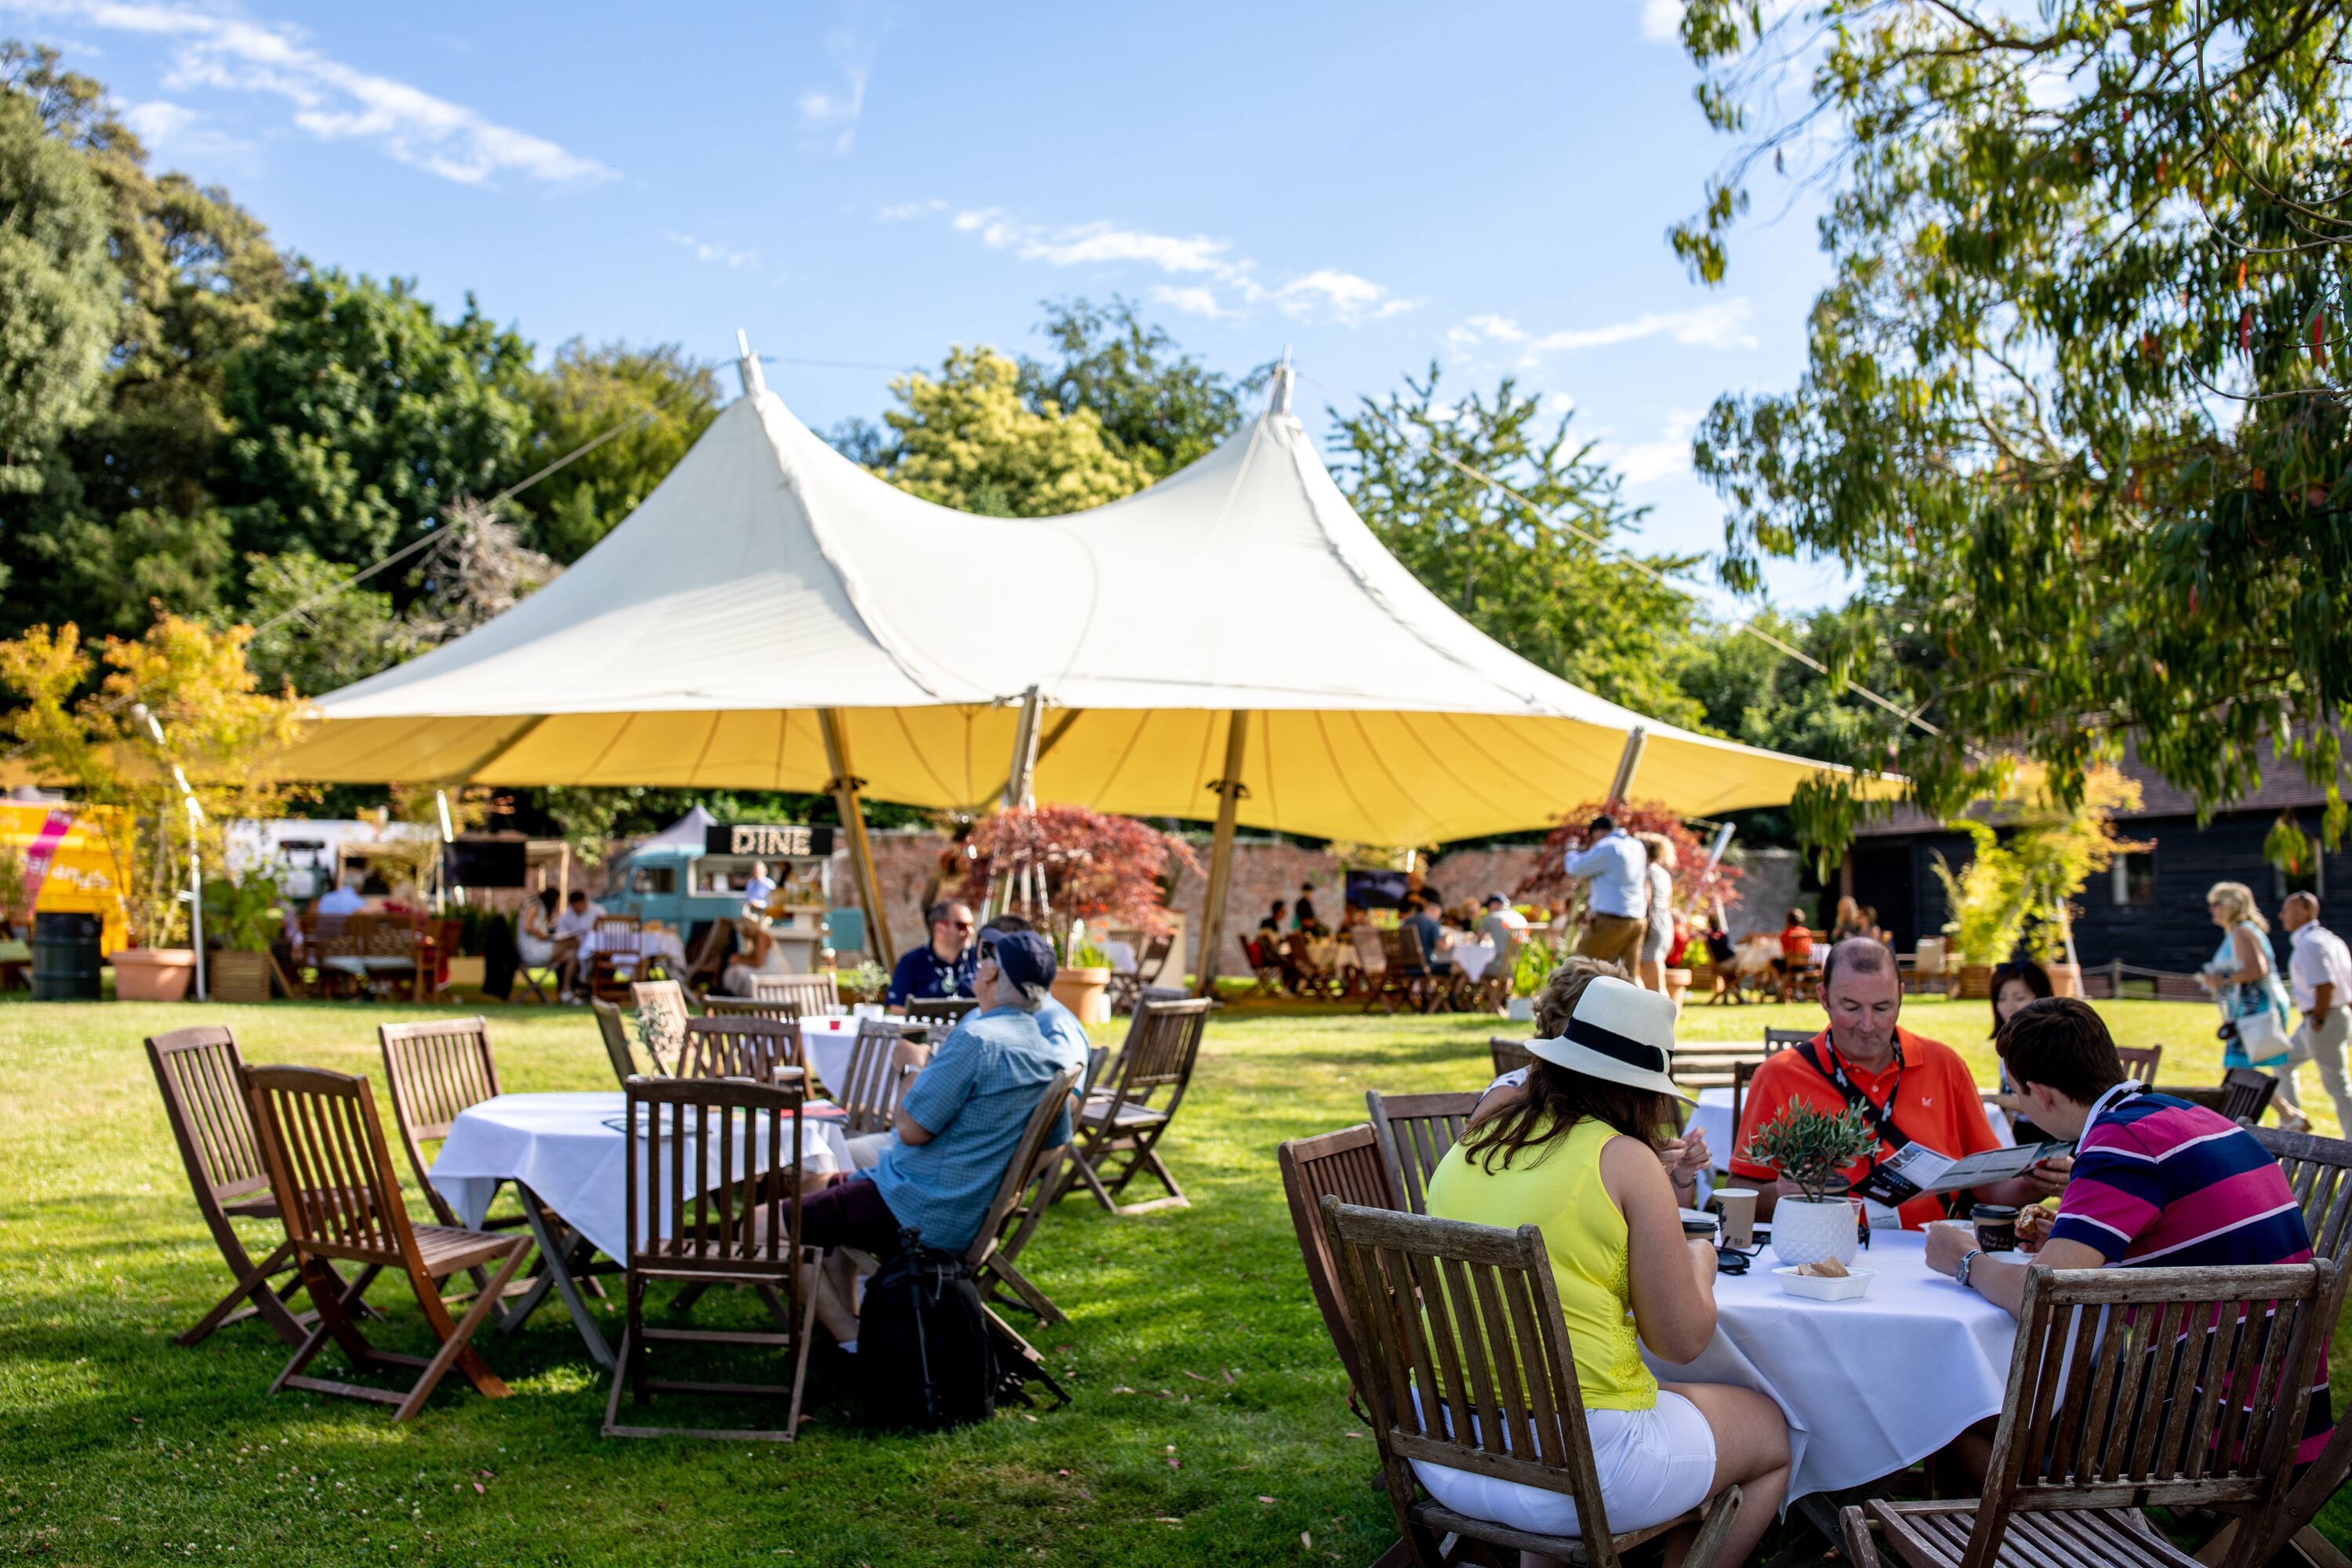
x=362, y=414
x=1548, y=593
x=57, y=292
x=968, y=440
x=2075, y=393
x=1158, y=404
x=583, y=394
x=1694, y=886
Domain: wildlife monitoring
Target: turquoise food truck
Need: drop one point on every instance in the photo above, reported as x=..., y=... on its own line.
x=696, y=872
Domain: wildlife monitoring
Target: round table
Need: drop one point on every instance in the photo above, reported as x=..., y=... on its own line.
x=1470, y=958
x=1868, y=1386
x=828, y=1042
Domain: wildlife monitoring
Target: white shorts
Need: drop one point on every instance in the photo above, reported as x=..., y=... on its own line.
x=1653, y=1466
x=535, y=951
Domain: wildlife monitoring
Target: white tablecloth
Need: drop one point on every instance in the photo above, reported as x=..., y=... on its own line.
x=558, y=1145
x=1713, y=1117
x=828, y=1042
x=1470, y=958
x=1868, y=1386
x=651, y=944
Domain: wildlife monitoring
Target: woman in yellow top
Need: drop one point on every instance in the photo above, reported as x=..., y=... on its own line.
x=1578, y=1155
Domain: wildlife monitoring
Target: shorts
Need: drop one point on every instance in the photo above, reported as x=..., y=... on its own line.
x=1655, y=1465
x=535, y=951
x=1656, y=939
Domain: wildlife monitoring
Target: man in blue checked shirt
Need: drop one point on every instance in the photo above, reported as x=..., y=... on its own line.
x=959, y=1126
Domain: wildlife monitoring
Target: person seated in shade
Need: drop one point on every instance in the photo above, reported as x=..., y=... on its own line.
x=342, y=900
x=1501, y=924
x=1912, y=1088
x=1423, y=925
x=1796, y=954
x=573, y=927
x=1302, y=912
x=2157, y=1183
x=758, y=954
x=959, y=1126
x=1576, y=1156
x=941, y=967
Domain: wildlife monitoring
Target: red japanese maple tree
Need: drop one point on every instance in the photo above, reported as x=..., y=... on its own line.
x=1058, y=863
x=1692, y=887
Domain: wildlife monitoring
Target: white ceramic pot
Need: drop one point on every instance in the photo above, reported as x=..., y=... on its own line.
x=1522, y=1010
x=1806, y=1230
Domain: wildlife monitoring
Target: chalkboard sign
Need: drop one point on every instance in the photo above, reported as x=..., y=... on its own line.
x=768, y=841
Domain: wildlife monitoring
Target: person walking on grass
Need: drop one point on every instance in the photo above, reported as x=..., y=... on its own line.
x=2319, y=974
x=1617, y=891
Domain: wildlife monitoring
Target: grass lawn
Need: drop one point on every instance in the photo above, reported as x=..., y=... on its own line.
x=1210, y=1422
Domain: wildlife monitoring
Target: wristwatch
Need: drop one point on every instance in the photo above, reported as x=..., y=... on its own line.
x=1967, y=1258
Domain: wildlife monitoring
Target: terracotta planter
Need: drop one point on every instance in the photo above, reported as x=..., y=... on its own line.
x=1085, y=992
x=154, y=973
x=1678, y=981
x=1973, y=983
x=234, y=976
x=2065, y=979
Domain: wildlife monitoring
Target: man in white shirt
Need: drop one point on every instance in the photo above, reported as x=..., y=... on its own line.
x=1617, y=891
x=2319, y=974
x=1502, y=922
x=579, y=916
x=760, y=889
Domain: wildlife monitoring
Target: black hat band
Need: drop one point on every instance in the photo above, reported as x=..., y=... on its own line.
x=1617, y=1047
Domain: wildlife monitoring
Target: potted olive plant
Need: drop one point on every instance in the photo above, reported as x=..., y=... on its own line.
x=1812, y=1148
x=242, y=918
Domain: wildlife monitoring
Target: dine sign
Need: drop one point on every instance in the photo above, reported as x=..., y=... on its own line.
x=782, y=841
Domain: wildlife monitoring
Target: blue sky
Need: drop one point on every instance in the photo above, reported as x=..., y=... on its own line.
x=1373, y=185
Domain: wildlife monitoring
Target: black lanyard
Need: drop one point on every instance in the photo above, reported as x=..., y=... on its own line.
x=1882, y=1185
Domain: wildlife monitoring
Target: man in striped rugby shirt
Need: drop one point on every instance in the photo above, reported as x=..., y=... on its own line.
x=2156, y=1182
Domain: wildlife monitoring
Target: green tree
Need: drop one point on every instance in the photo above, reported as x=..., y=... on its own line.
x=2075, y=392
x=1547, y=592
x=968, y=440
x=312, y=633
x=1754, y=693
x=1158, y=404
x=56, y=291
x=361, y=414
x=586, y=392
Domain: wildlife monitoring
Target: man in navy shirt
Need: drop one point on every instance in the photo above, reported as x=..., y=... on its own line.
x=942, y=969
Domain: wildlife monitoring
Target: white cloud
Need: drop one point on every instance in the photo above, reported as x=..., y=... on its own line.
x=1324, y=294
x=332, y=100
x=158, y=121
x=1644, y=462
x=704, y=250
x=829, y=114
x=899, y=212
x=1192, y=300
x=1721, y=324
x=1661, y=20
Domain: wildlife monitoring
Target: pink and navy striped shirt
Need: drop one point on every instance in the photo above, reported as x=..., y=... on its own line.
x=2158, y=1182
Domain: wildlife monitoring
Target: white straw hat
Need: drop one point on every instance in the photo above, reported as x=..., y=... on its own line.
x=1618, y=1033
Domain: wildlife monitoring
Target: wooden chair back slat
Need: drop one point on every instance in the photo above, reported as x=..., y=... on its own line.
x=434, y=1070
x=1508, y=1056
x=2319, y=1172
x=712, y=1177
x=737, y=1046
x=1347, y=1165
x=1032, y=1159
x=662, y=1003
x=195, y=1069
x=874, y=1083
x=613, y=1029
x=779, y=1009
x=818, y=994
x=330, y=1167
x=1163, y=1041
x=1467, y=1357
x=946, y=1012
x=2140, y=1062
x=2246, y=1093
x=2176, y=1387
x=1416, y=1131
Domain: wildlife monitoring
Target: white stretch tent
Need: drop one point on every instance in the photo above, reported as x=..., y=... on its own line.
x=772, y=611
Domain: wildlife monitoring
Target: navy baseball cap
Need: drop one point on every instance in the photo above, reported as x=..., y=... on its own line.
x=1023, y=956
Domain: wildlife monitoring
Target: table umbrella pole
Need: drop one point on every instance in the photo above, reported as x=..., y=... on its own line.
x=844, y=786
x=1220, y=854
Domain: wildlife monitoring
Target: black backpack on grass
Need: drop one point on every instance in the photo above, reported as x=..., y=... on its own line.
x=925, y=1357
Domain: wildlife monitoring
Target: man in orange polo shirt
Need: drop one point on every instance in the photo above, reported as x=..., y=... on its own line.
x=1916, y=1089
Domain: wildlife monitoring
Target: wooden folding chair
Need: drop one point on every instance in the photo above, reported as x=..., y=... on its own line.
x=614, y=1029
x=619, y=944
x=1416, y=1131
x=436, y=1070
x=2246, y=1093
x=818, y=994
x=781, y=1009
x=1013, y=1213
x=713, y=1182
x=196, y=1070
x=2130, y=1388
x=946, y=1012
x=1127, y=990
x=2140, y=1062
x=1509, y=1055
x=1347, y=1165
x=2319, y=1172
x=882, y=1060
x=659, y=995
x=1162, y=1045
x=1427, y=1300
x=331, y=1172
x=736, y=1045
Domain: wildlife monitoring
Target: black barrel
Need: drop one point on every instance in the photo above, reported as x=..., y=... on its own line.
x=65, y=957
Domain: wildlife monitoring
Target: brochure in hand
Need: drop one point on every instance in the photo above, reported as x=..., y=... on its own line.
x=1915, y=1169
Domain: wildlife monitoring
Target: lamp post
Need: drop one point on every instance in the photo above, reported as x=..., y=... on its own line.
x=195, y=893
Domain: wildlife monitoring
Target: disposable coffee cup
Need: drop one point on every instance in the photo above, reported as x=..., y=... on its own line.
x=1737, y=1206
x=1996, y=1227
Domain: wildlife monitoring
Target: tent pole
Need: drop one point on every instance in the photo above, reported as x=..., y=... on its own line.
x=844, y=786
x=1020, y=780
x=1220, y=854
x=1620, y=787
